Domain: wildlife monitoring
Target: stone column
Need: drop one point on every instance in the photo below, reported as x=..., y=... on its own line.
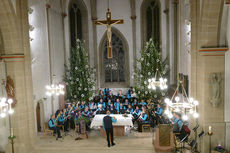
x=207, y=58
x=48, y=6
x=93, y=5
x=133, y=18
x=19, y=69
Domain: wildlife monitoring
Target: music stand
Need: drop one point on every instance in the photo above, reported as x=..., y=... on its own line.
x=196, y=127
x=201, y=134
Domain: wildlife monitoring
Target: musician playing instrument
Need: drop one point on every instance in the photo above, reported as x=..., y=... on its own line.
x=159, y=110
x=101, y=103
x=108, y=103
x=53, y=127
x=82, y=106
x=136, y=114
x=69, y=118
x=117, y=104
x=120, y=94
x=62, y=121
x=106, y=91
x=130, y=109
x=126, y=102
x=142, y=119
x=121, y=109
x=93, y=106
x=112, y=109
x=87, y=114
x=100, y=110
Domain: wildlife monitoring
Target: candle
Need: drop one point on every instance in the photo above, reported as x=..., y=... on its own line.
x=11, y=132
x=209, y=129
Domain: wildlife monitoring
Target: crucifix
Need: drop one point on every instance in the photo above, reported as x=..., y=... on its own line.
x=108, y=23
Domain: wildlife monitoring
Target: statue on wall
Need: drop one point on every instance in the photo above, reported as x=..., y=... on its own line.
x=10, y=89
x=215, y=84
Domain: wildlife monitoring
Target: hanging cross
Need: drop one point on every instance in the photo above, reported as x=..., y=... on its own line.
x=108, y=23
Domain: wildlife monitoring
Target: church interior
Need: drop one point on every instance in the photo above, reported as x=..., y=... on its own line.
x=153, y=74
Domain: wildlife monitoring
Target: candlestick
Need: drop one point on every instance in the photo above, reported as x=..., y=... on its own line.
x=11, y=132
x=209, y=129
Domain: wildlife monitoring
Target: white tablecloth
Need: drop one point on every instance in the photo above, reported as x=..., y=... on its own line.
x=121, y=120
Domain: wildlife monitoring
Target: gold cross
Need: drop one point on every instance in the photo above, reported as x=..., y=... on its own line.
x=108, y=23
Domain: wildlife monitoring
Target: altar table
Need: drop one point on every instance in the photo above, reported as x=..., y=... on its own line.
x=118, y=127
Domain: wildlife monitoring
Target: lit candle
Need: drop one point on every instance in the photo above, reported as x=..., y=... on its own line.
x=209, y=129
x=11, y=132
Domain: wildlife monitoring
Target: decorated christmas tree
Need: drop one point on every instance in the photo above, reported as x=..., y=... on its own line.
x=79, y=76
x=149, y=62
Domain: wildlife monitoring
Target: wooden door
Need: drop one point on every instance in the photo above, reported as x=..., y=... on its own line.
x=38, y=117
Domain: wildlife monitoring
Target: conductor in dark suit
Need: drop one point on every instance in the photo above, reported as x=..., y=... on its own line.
x=108, y=127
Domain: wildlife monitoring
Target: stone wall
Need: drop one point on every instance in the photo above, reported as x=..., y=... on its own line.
x=206, y=19
x=14, y=27
x=227, y=80
x=47, y=50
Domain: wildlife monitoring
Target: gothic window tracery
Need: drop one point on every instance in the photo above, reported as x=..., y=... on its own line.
x=114, y=69
x=153, y=21
x=75, y=16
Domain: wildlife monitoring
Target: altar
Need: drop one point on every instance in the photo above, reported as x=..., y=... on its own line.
x=118, y=127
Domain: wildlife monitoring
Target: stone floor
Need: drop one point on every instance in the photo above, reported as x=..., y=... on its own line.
x=132, y=143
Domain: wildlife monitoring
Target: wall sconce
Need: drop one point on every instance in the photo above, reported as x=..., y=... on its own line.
x=30, y=11
x=31, y=28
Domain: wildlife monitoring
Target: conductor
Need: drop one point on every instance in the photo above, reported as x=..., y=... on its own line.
x=108, y=127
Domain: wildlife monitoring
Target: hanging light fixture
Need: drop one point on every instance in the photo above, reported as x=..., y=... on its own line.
x=55, y=89
x=5, y=107
x=157, y=82
x=181, y=103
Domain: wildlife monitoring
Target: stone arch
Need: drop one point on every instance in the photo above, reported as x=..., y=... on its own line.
x=126, y=83
x=84, y=20
x=144, y=6
x=210, y=24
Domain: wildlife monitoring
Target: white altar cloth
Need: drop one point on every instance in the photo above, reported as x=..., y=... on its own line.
x=121, y=120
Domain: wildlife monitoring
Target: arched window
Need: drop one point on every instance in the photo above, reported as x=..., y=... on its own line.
x=75, y=16
x=151, y=21
x=115, y=70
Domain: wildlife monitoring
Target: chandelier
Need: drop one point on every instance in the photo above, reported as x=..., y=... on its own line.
x=5, y=107
x=112, y=65
x=157, y=82
x=55, y=89
x=181, y=103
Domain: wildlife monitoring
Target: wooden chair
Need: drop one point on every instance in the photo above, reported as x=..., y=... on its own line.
x=146, y=126
x=76, y=126
x=47, y=130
